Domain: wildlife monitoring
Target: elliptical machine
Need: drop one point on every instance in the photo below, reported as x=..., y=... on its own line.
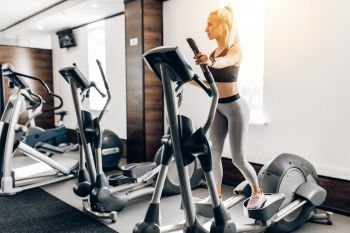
x=30, y=168
x=186, y=143
x=53, y=140
x=103, y=200
x=293, y=192
x=291, y=181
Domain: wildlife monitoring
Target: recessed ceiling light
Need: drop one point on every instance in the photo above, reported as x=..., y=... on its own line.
x=62, y=16
x=40, y=27
x=94, y=5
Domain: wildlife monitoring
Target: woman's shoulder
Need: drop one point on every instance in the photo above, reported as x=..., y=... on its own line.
x=234, y=48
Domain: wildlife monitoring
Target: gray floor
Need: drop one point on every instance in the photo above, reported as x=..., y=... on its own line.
x=171, y=213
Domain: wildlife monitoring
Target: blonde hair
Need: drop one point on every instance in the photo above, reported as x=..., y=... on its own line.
x=226, y=17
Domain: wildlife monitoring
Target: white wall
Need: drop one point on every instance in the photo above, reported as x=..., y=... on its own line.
x=183, y=19
x=66, y=57
x=306, y=80
x=115, y=118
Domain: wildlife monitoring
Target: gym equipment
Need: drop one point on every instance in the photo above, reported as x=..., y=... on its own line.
x=187, y=142
x=23, y=167
x=292, y=187
x=54, y=136
x=112, y=150
x=291, y=182
x=49, y=141
x=172, y=184
x=143, y=172
x=104, y=201
x=292, y=190
x=53, y=140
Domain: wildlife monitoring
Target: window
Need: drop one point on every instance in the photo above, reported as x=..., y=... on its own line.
x=250, y=20
x=96, y=50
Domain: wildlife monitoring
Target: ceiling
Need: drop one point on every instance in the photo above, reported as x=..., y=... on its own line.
x=25, y=18
x=11, y=13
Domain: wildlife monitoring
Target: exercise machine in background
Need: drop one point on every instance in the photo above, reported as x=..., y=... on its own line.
x=50, y=141
x=23, y=167
x=100, y=198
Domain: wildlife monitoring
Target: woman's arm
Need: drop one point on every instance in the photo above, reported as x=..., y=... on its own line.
x=233, y=57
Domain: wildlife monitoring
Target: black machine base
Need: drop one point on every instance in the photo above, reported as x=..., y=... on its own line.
x=145, y=227
x=151, y=221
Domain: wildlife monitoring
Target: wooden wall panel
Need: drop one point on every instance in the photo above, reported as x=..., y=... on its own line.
x=34, y=62
x=143, y=20
x=134, y=82
x=153, y=32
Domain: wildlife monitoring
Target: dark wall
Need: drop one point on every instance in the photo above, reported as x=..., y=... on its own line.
x=34, y=62
x=134, y=82
x=153, y=37
x=143, y=20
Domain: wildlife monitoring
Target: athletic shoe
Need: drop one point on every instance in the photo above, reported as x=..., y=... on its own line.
x=256, y=201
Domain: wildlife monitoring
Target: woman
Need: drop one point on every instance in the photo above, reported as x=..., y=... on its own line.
x=232, y=114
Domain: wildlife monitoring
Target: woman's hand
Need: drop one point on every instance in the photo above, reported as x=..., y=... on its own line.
x=202, y=59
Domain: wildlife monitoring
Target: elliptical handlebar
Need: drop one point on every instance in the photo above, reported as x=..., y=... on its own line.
x=107, y=89
x=16, y=80
x=204, y=68
x=169, y=62
x=208, y=76
x=73, y=74
x=202, y=85
x=34, y=102
x=57, y=107
x=103, y=75
x=93, y=84
x=47, y=89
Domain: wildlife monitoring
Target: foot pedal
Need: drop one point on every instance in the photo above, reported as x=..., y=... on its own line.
x=136, y=170
x=203, y=208
x=116, y=180
x=271, y=206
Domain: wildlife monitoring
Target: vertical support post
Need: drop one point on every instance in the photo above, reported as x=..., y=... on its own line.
x=87, y=148
x=172, y=110
x=2, y=92
x=10, y=137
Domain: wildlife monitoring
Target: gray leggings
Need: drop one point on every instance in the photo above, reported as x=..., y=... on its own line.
x=231, y=118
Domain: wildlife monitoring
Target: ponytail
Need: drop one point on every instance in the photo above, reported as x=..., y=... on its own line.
x=226, y=18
